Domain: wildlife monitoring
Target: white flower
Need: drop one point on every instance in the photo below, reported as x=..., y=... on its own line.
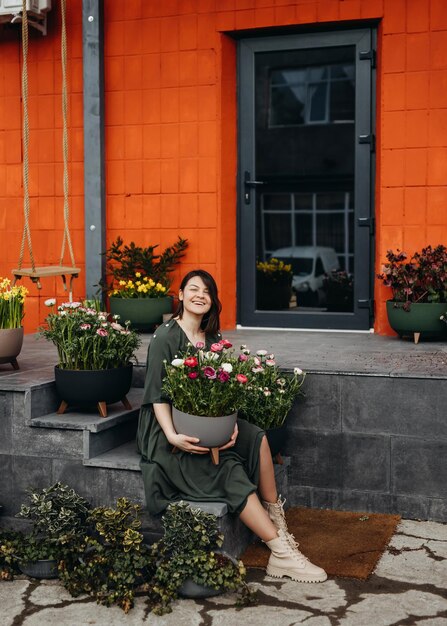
x=271, y=356
x=257, y=360
x=261, y=352
x=50, y=302
x=227, y=367
x=116, y=317
x=282, y=390
x=267, y=392
x=177, y=362
x=270, y=362
x=116, y=326
x=257, y=370
x=102, y=318
x=297, y=371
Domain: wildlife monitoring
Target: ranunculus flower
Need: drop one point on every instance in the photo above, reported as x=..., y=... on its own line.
x=241, y=378
x=116, y=326
x=200, y=345
x=270, y=362
x=225, y=343
x=223, y=376
x=261, y=352
x=191, y=361
x=209, y=372
x=257, y=360
x=257, y=370
x=85, y=326
x=243, y=357
x=297, y=371
x=50, y=302
x=193, y=374
x=227, y=367
x=216, y=347
x=267, y=392
x=102, y=332
x=177, y=362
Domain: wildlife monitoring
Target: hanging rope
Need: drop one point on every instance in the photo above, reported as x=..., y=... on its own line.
x=26, y=230
x=66, y=238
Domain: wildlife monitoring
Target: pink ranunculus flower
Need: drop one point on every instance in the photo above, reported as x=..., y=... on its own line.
x=200, y=345
x=102, y=332
x=270, y=362
x=257, y=360
x=193, y=374
x=243, y=357
x=85, y=326
x=223, y=376
x=209, y=372
x=216, y=347
x=241, y=378
x=116, y=326
x=257, y=370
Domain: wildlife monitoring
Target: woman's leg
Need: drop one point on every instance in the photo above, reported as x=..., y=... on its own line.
x=256, y=518
x=267, y=483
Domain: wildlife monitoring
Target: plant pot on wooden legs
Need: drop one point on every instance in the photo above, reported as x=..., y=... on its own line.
x=12, y=301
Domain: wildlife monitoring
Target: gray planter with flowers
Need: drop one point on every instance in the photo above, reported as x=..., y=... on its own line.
x=12, y=301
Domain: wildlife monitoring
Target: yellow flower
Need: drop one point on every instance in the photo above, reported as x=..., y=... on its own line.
x=138, y=282
x=138, y=275
x=122, y=283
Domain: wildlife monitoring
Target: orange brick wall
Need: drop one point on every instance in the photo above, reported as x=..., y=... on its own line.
x=170, y=77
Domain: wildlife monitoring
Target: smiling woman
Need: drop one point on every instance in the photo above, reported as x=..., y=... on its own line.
x=245, y=465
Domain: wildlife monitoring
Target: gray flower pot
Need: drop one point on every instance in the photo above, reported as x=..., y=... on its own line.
x=44, y=568
x=212, y=431
x=11, y=340
x=190, y=589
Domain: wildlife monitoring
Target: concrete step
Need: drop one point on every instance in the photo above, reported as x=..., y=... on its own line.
x=123, y=457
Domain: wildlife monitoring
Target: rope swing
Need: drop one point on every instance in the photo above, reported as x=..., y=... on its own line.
x=36, y=273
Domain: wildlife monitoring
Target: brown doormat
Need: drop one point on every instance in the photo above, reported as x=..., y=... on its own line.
x=343, y=543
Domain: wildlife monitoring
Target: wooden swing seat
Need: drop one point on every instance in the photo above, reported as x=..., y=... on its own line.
x=45, y=272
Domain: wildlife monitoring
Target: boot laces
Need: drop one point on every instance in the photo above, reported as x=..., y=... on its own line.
x=293, y=543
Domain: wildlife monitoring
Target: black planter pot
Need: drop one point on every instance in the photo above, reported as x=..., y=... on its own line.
x=84, y=388
x=277, y=439
x=44, y=568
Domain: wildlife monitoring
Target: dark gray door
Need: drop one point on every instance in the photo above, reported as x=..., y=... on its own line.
x=306, y=140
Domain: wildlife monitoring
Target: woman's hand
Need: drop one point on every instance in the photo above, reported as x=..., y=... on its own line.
x=232, y=441
x=187, y=444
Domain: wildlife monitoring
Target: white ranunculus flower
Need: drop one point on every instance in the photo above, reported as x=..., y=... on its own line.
x=177, y=362
x=227, y=367
x=50, y=302
x=261, y=352
x=297, y=371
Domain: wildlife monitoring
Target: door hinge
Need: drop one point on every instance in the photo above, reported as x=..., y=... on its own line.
x=366, y=304
x=368, y=55
x=371, y=139
x=369, y=222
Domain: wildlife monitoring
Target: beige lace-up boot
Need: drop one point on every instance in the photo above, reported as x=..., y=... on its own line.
x=275, y=511
x=287, y=561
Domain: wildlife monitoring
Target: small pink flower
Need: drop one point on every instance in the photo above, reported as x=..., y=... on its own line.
x=85, y=326
x=223, y=376
x=209, y=372
x=241, y=378
x=257, y=360
x=200, y=345
x=216, y=347
x=257, y=370
x=243, y=357
x=116, y=326
x=102, y=332
x=193, y=375
x=270, y=362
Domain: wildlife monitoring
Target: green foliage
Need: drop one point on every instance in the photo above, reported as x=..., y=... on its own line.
x=114, y=560
x=86, y=340
x=124, y=261
x=187, y=551
x=57, y=511
x=8, y=547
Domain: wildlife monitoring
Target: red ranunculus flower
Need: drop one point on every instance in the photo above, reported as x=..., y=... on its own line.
x=241, y=378
x=193, y=374
x=191, y=361
x=225, y=343
x=216, y=347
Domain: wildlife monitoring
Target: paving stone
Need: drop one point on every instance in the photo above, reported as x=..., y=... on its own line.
x=11, y=599
x=50, y=592
x=413, y=566
x=389, y=611
x=429, y=530
x=325, y=597
x=258, y=615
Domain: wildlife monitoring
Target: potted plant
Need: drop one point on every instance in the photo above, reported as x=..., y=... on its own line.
x=270, y=396
x=190, y=562
x=206, y=390
x=58, y=515
x=419, y=289
x=273, y=284
x=12, y=301
x=115, y=560
x=338, y=286
x=95, y=354
x=139, y=290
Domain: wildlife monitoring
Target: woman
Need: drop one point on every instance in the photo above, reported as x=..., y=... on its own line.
x=245, y=461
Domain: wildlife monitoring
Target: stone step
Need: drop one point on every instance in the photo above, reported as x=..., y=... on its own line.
x=123, y=457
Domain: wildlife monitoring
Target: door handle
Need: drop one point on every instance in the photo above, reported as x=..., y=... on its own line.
x=248, y=185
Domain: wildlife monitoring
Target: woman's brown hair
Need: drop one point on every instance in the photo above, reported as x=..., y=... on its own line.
x=211, y=320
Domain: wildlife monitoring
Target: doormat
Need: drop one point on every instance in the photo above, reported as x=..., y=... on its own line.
x=343, y=543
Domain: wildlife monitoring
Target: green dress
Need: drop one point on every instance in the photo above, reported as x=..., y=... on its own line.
x=171, y=477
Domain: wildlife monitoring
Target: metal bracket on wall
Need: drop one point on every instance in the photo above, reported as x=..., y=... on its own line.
x=368, y=139
x=368, y=55
x=368, y=222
